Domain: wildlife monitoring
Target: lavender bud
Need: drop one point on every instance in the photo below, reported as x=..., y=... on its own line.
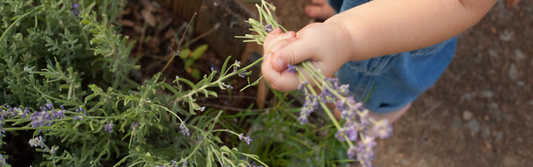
x=74, y=9
x=292, y=68
x=248, y=140
x=242, y=74
x=49, y=105
x=382, y=129
x=135, y=125
x=268, y=28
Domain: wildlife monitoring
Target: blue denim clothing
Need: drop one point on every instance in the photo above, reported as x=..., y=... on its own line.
x=398, y=79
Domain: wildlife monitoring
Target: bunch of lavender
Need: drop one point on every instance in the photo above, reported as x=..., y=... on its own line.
x=357, y=122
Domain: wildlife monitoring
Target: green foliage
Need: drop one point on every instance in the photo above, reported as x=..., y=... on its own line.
x=280, y=140
x=48, y=54
x=190, y=57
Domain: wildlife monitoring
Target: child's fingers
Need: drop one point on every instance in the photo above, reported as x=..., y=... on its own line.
x=280, y=45
x=319, y=2
x=294, y=53
x=271, y=35
x=276, y=39
x=279, y=80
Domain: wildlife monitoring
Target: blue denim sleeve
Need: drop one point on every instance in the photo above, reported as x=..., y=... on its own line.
x=336, y=4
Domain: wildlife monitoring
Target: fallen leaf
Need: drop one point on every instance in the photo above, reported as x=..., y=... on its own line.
x=147, y=13
x=127, y=23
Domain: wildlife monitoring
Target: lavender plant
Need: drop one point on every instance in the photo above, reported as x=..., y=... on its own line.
x=356, y=122
x=66, y=93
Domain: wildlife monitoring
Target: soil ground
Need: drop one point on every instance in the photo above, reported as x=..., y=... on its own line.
x=479, y=113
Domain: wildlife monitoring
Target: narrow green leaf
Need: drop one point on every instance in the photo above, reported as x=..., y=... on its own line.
x=185, y=53
x=199, y=51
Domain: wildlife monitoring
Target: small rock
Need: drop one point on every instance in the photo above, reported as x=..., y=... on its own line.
x=455, y=123
x=492, y=53
x=486, y=132
x=530, y=103
x=498, y=136
x=510, y=161
x=506, y=35
x=405, y=161
x=513, y=72
x=519, y=139
x=467, y=115
x=473, y=125
x=519, y=55
x=467, y=97
x=520, y=83
x=487, y=94
x=494, y=105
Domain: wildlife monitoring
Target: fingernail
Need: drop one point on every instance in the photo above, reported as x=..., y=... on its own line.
x=276, y=31
x=268, y=55
x=281, y=63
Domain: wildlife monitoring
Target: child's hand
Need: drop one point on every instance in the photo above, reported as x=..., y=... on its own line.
x=327, y=45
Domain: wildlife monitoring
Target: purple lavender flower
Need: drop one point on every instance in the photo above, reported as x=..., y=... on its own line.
x=248, y=140
x=76, y=118
x=242, y=74
x=351, y=152
x=108, y=127
x=74, y=9
x=363, y=118
x=49, y=105
x=364, y=150
x=2, y=122
x=213, y=69
x=339, y=105
x=229, y=87
x=382, y=129
x=36, y=142
x=236, y=66
x=253, y=164
x=53, y=150
x=292, y=68
x=39, y=119
x=174, y=163
x=2, y=160
x=268, y=28
x=350, y=129
x=184, y=129
x=303, y=119
x=302, y=86
x=344, y=89
x=25, y=113
x=135, y=125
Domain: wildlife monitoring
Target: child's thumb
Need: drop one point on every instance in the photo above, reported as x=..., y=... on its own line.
x=293, y=53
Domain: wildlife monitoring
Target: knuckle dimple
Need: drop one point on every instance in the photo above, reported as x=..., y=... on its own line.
x=291, y=56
